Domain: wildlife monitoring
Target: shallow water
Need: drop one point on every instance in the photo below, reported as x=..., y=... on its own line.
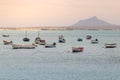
x=94, y=63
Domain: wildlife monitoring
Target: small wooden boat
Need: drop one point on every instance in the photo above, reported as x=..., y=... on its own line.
x=88, y=37
x=17, y=46
x=37, y=40
x=79, y=39
x=112, y=45
x=7, y=42
x=61, y=39
x=26, y=39
x=5, y=35
x=50, y=45
x=94, y=41
x=42, y=42
x=77, y=49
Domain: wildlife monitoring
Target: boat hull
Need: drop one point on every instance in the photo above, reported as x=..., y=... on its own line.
x=61, y=40
x=7, y=42
x=113, y=45
x=26, y=39
x=77, y=49
x=23, y=46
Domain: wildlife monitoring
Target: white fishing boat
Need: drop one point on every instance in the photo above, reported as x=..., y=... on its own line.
x=4, y=34
x=50, y=45
x=94, y=41
x=61, y=39
x=21, y=46
x=7, y=42
x=111, y=45
x=37, y=39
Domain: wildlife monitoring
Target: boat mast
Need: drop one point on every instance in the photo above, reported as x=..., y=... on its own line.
x=38, y=33
x=26, y=34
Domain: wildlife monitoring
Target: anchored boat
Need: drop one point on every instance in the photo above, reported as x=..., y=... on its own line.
x=26, y=39
x=79, y=39
x=77, y=49
x=112, y=45
x=50, y=45
x=39, y=41
x=18, y=46
x=5, y=35
x=61, y=39
x=94, y=41
x=88, y=37
x=7, y=42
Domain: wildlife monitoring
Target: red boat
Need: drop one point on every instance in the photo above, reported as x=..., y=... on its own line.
x=77, y=49
x=88, y=37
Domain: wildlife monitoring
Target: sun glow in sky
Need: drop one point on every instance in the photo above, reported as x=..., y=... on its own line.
x=17, y=13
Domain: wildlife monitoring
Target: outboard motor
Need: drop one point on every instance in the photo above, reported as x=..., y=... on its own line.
x=54, y=43
x=96, y=39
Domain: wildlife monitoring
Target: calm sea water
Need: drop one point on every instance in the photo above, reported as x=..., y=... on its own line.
x=94, y=63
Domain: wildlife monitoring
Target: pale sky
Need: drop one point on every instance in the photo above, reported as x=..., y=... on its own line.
x=24, y=13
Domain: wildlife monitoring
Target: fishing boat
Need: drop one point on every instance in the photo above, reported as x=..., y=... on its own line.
x=5, y=35
x=7, y=42
x=18, y=46
x=79, y=39
x=77, y=49
x=42, y=42
x=61, y=39
x=88, y=37
x=94, y=41
x=37, y=40
x=26, y=39
x=112, y=45
x=50, y=45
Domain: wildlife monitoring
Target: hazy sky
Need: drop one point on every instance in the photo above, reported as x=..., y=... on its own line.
x=56, y=12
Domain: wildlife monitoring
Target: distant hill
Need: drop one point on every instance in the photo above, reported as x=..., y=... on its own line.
x=93, y=23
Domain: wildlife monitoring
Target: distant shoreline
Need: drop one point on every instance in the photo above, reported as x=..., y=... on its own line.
x=52, y=28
